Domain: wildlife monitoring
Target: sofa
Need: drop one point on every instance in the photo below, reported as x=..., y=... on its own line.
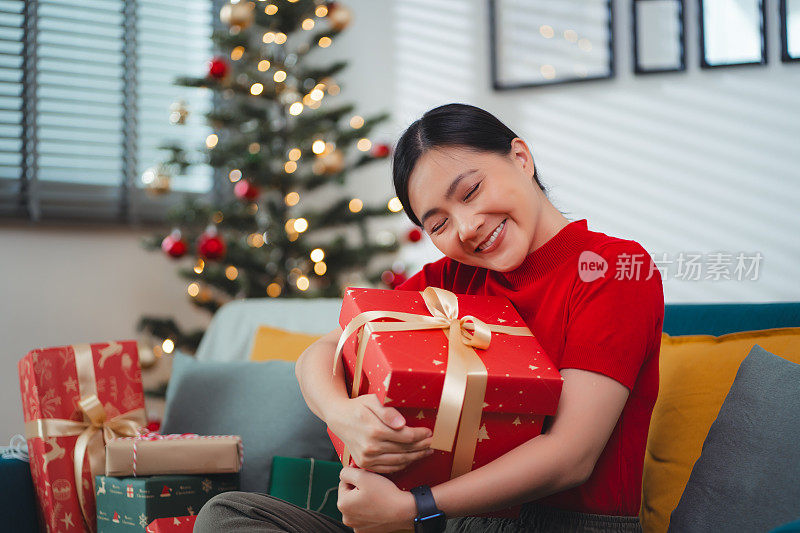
x=677, y=432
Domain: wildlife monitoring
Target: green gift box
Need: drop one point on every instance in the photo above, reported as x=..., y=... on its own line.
x=130, y=503
x=307, y=483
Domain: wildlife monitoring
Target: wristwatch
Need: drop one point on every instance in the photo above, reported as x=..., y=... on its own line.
x=429, y=519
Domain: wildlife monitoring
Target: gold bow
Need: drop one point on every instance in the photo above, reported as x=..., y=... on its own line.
x=94, y=425
x=461, y=404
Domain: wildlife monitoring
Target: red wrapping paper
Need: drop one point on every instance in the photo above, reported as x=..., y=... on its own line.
x=405, y=370
x=50, y=388
x=176, y=524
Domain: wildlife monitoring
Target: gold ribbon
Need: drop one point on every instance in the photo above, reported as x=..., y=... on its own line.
x=461, y=404
x=95, y=425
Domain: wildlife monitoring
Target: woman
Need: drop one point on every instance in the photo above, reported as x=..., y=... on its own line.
x=594, y=302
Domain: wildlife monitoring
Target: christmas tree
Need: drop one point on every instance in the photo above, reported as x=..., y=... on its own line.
x=279, y=134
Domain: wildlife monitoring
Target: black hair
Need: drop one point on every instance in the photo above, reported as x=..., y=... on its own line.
x=448, y=125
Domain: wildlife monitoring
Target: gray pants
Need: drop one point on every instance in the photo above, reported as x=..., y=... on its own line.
x=245, y=511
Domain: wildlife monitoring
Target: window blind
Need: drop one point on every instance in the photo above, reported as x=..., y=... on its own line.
x=85, y=90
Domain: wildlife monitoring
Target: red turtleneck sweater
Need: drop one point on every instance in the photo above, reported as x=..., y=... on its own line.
x=610, y=325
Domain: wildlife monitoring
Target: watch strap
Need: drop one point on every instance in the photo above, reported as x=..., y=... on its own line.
x=423, y=497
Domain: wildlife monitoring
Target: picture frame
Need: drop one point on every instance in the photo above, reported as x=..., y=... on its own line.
x=659, y=36
x=732, y=33
x=790, y=41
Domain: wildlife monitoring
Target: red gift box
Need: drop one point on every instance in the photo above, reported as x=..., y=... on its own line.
x=407, y=369
x=175, y=524
x=74, y=398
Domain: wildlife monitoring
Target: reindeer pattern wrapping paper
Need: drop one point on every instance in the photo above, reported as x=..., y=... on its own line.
x=73, y=399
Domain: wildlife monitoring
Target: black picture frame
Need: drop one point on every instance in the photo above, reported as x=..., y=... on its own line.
x=637, y=67
x=763, y=32
x=500, y=85
x=785, y=55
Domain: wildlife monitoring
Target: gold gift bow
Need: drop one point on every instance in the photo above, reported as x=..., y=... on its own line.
x=465, y=378
x=124, y=425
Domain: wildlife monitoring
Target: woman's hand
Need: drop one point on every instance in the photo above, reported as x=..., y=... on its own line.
x=377, y=436
x=373, y=504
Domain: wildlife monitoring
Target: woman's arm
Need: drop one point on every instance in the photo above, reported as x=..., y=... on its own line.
x=557, y=460
x=377, y=436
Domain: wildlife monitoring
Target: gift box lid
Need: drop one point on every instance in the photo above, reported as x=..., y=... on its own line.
x=407, y=368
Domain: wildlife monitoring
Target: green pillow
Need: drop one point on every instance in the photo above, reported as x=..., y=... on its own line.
x=260, y=401
x=746, y=478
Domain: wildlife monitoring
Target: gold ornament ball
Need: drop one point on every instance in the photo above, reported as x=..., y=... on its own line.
x=240, y=15
x=156, y=181
x=340, y=17
x=330, y=163
x=178, y=113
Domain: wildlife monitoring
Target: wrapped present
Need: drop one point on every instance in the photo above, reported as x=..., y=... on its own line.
x=465, y=366
x=17, y=497
x=74, y=398
x=151, y=453
x=131, y=503
x=307, y=483
x=175, y=524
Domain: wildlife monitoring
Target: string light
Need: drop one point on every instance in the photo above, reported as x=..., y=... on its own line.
x=235, y=175
x=167, y=346
x=254, y=148
x=333, y=89
x=300, y=225
x=252, y=208
x=317, y=255
x=546, y=31
x=321, y=11
x=324, y=42
x=294, y=154
x=289, y=226
x=279, y=76
x=212, y=140
x=302, y=283
x=355, y=205
x=293, y=236
x=271, y=9
x=289, y=167
x=263, y=65
x=320, y=268
x=273, y=290
x=193, y=289
x=571, y=35
x=356, y=122
x=217, y=218
x=280, y=38
x=256, y=89
x=316, y=95
x=268, y=37
x=308, y=24
x=395, y=205
x=585, y=44
x=237, y=53
x=318, y=146
x=231, y=272
x=296, y=108
x=199, y=266
x=292, y=198
x=364, y=144
x=256, y=240
x=548, y=71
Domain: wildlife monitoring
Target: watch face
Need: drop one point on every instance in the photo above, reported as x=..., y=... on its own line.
x=434, y=523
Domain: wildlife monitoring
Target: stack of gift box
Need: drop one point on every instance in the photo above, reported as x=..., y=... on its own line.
x=94, y=465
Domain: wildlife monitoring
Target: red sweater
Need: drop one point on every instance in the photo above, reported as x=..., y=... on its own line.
x=610, y=325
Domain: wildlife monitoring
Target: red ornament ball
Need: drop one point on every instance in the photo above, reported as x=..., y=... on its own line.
x=210, y=246
x=393, y=279
x=245, y=190
x=414, y=235
x=381, y=150
x=218, y=68
x=174, y=245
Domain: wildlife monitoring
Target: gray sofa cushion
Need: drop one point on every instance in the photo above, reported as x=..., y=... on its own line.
x=260, y=401
x=747, y=476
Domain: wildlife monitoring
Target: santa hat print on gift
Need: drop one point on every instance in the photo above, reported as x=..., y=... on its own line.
x=165, y=492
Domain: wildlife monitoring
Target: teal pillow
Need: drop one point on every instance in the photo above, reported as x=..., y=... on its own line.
x=746, y=478
x=791, y=527
x=260, y=401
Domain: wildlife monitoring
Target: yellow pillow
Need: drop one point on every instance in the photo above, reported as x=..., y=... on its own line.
x=696, y=373
x=274, y=343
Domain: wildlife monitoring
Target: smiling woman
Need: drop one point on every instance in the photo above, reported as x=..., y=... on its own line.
x=472, y=185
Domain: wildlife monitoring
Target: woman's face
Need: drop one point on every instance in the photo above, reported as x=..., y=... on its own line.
x=478, y=208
